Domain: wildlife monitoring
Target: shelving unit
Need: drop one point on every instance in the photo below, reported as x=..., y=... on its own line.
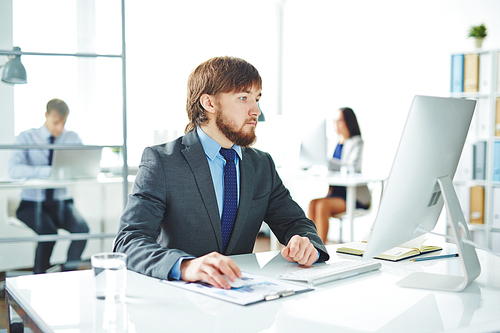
x=482, y=129
x=121, y=56
x=123, y=146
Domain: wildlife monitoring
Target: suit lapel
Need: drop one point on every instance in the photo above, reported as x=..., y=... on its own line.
x=195, y=157
x=247, y=176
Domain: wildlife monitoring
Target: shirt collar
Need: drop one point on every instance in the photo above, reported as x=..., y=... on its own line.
x=45, y=132
x=211, y=146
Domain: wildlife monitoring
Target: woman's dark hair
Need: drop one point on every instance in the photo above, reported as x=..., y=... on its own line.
x=351, y=122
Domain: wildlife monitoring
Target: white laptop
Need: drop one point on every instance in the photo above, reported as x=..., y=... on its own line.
x=76, y=164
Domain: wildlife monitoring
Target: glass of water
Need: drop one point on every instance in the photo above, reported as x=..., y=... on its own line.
x=110, y=275
x=347, y=170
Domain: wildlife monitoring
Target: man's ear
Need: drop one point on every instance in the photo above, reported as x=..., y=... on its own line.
x=207, y=102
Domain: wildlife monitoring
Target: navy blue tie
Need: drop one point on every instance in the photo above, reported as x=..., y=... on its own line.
x=49, y=193
x=230, y=206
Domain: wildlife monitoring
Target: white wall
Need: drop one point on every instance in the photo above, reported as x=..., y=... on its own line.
x=166, y=40
x=7, y=135
x=374, y=56
x=6, y=90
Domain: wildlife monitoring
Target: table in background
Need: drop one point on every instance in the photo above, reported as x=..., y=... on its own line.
x=65, y=302
x=351, y=182
x=102, y=181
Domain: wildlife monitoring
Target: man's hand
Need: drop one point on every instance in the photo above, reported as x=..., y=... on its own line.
x=300, y=250
x=210, y=269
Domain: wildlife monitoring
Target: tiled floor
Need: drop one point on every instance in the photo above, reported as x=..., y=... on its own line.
x=3, y=310
x=3, y=314
x=262, y=244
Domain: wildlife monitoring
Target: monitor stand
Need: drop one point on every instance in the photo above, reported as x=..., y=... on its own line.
x=466, y=253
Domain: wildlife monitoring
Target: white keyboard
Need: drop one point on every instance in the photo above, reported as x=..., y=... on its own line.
x=330, y=272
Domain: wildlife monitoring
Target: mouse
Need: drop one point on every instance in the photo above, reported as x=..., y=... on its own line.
x=238, y=283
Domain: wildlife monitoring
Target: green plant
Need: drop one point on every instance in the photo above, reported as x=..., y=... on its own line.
x=478, y=31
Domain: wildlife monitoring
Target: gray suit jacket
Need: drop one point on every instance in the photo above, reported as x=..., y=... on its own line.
x=172, y=210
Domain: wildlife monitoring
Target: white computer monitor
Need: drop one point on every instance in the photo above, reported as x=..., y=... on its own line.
x=313, y=146
x=420, y=183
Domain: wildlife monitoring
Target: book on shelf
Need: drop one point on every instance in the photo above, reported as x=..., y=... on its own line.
x=497, y=117
x=479, y=160
x=495, y=241
x=406, y=250
x=496, y=161
x=498, y=73
x=482, y=118
x=485, y=73
x=477, y=204
x=471, y=72
x=457, y=73
x=465, y=167
x=463, y=195
x=496, y=208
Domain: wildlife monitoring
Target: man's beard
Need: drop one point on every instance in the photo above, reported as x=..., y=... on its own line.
x=238, y=137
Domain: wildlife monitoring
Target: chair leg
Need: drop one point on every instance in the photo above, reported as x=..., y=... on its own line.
x=340, y=231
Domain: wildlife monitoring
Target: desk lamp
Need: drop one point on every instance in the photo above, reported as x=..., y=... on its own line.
x=14, y=71
x=261, y=116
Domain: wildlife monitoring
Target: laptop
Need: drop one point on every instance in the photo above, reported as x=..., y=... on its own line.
x=76, y=164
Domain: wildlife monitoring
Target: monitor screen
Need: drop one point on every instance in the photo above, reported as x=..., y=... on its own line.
x=313, y=146
x=430, y=148
x=76, y=164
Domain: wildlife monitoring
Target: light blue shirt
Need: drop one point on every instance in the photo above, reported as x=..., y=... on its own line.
x=34, y=163
x=216, y=162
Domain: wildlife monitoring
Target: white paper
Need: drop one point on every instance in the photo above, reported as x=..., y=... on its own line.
x=257, y=288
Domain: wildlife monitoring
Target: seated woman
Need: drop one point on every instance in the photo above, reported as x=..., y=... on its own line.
x=349, y=153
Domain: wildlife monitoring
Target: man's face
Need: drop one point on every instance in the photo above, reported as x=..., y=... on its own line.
x=236, y=115
x=54, y=123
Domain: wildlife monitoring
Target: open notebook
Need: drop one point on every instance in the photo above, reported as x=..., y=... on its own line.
x=409, y=249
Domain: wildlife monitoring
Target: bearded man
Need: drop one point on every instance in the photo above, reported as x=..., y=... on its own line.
x=204, y=196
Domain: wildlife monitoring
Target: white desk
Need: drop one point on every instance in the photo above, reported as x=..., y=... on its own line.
x=97, y=199
x=62, y=183
x=350, y=182
x=65, y=302
x=101, y=181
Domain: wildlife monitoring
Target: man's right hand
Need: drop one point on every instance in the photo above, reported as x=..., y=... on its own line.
x=210, y=268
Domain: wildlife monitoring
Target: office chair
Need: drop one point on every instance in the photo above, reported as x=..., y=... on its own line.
x=12, y=220
x=359, y=212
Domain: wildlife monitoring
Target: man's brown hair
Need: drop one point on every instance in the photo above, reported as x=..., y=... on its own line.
x=217, y=75
x=59, y=105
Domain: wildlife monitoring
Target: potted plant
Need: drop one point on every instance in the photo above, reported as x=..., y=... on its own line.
x=478, y=33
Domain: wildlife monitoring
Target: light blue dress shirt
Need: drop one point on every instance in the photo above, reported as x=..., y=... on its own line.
x=216, y=162
x=34, y=163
